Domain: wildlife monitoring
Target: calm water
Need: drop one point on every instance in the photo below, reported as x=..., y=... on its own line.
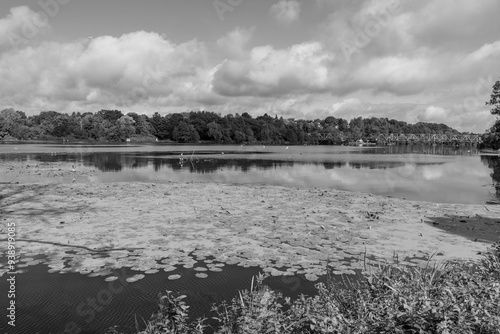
x=430, y=173
x=51, y=303
x=48, y=302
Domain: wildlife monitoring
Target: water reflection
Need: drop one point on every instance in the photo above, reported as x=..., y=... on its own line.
x=430, y=173
x=333, y=165
x=493, y=163
x=428, y=149
x=117, y=161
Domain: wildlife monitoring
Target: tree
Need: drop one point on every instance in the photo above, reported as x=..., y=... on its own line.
x=141, y=124
x=215, y=131
x=265, y=134
x=185, y=133
x=62, y=126
x=173, y=120
x=13, y=122
x=239, y=136
x=495, y=99
x=110, y=115
x=491, y=138
x=249, y=134
x=291, y=136
x=93, y=127
x=125, y=127
x=330, y=120
x=160, y=127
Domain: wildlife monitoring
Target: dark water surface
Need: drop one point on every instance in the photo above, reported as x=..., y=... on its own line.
x=53, y=302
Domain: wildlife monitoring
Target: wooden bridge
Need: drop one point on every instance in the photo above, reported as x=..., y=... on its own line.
x=416, y=138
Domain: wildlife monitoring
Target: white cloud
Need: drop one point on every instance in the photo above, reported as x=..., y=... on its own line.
x=267, y=71
x=434, y=114
x=139, y=67
x=286, y=11
x=432, y=61
x=21, y=26
x=235, y=42
x=432, y=172
x=488, y=50
x=348, y=103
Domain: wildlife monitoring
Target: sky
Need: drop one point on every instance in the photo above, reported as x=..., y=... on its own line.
x=426, y=60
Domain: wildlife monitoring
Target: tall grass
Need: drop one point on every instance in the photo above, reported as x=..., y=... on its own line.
x=451, y=298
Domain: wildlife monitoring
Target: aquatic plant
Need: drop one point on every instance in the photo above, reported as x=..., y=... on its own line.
x=454, y=297
x=171, y=317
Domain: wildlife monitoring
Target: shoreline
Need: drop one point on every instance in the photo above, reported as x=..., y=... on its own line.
x=272, y=227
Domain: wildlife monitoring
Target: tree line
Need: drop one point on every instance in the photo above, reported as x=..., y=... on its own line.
x=200, y=126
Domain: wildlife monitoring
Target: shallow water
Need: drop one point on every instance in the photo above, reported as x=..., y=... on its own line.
x=55, y=302
x=49, y=302
x=428, y=173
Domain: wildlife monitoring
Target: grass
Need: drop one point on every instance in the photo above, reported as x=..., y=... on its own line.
x=452, y=298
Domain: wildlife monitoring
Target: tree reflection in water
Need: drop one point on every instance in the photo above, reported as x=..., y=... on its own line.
x=493, y=162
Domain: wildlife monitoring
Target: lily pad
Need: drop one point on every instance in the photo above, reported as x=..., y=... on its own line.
x=169, y=268
x=135, y=278
x=200, y=269
x=311, y=277
x=111, y=278
x=201, y=275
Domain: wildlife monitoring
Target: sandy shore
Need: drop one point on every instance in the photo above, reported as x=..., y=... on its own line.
x=92, y=227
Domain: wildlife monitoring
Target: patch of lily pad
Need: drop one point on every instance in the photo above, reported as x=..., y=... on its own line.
x=279, y=249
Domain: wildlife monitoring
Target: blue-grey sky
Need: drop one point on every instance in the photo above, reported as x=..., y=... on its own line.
x=429, y=60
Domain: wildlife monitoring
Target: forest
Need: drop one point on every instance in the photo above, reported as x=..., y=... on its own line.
x=199, y=126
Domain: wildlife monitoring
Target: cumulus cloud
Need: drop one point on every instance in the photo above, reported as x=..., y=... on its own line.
x=133, y=68
x=486, y=51
x=286, y=11
x=349, y=104
x=434, y=114
x=400, y=75
x=21, y=26
x=429, y=61
x=268, y=71
x=235, y=42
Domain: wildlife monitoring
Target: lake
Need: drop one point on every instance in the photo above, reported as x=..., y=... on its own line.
x=50, y=301
x=429, y=173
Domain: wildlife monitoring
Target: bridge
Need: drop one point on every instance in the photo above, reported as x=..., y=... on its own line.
x=430, y=138
x=417, y=138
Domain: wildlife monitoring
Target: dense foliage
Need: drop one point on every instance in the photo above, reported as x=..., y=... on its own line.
x=113, y=125
x=454, y=298
x=491, y=139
